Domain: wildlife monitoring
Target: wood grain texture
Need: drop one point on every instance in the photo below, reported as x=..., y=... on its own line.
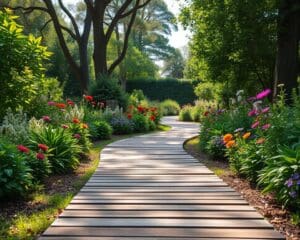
x=148, y=188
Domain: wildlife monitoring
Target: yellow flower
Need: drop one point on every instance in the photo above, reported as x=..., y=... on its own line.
x=227, y=137
x=260, y=140
x=246, y=135
x=230, y=144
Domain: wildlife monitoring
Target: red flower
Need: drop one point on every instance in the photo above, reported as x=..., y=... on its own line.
x=43, y=147
x=23, y=149
x=64, y=126
x=140, y=109
x=206, y=113
x=46, y=118
x=40, y=156
x=76, y=120
x=70, y=102
x=88, y=98
x=60, y=105
x=77, y=136
x=152, y=117
x=129, y=115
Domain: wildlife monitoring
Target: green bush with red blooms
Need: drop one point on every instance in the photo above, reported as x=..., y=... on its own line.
x=261, y=140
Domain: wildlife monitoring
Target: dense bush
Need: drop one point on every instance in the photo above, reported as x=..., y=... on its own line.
x=121, y=125
x=140, y=123
x=180, y=91
x=185, y=113
x=64, y=149
x=22, y=73
x=103, y=130
x=15, y=175
x=169, y=107
x=106, y=88
x=261, y=141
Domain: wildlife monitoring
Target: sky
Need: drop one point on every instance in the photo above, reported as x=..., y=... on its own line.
x=180, y=38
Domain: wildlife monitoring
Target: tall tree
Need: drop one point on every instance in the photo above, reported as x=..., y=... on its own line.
x=95, y=11
x=287, y=63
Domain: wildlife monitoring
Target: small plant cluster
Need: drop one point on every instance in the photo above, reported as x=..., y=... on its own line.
x=56, y=142
x=261, y=140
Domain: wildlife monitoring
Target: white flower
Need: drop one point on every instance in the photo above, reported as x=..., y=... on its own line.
x=240, y=92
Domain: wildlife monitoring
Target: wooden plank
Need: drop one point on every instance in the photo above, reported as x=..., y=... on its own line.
x=155, y=178
x=135, y=238
x=157, y=189
x=213, y=233
x=160, y=207
x=160, y=201
x=162, y=214
x=161, y=222
x=155, y=184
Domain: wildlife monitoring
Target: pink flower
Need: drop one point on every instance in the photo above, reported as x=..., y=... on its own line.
x=265, y=110
x=77, y=136
x=51, y=103
x=263, y=94
x=23, y=149
x=255, y=125
x=252, y=113
x=64, y=126
x=46, y=118
x=43, y=147
x=266, y=126
x=40, y=156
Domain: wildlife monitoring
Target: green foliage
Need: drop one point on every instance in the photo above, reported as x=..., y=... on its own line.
x=180, y=91
x=174, y=65
x=21, y=65
x=233, y=42
x=15, y=175
x=281, y=176
x=63, y=147
x=15, y=126
x=185, y=113
x=215, y=147
x=103, y=130
x=136, y=97
x=106, y=88
x=206, y=91
x=140, y=123
x=169, y=107
x=121, y=125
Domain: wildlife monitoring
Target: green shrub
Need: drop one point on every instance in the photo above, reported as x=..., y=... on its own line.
x=140, y=123
x=180, y=91
x=282, y=176
x=103, y=130
x=15, y=175
x=21, y=65
x=15, y=126
x=63, y=147
x=169, y=107
x=152, y=125
x=121, y=125
x=185, y=113
x=136, y=97
x=215, y=147
x=106, y=88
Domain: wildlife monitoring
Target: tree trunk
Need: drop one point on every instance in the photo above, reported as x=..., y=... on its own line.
x=287, y=60
x=84, y=68
x=122, y=73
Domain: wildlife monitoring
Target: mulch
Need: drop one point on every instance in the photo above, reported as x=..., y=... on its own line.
x=265, y=204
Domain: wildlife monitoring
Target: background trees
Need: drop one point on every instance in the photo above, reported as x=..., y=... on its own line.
x=236, y=42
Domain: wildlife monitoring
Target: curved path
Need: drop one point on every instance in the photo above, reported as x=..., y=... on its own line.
x=148, y=187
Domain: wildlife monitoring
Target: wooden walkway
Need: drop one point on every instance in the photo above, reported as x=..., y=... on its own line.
x=148, y=187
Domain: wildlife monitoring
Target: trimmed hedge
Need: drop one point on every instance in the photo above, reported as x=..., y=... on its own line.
x=161, y=89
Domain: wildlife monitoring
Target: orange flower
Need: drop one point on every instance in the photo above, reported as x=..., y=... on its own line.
x=260, y=140
x=84, y=125
x=227, y=137
x=60, y=105
x=230, y=144
x=76, y=120
x=152, y=118
x=246, y=135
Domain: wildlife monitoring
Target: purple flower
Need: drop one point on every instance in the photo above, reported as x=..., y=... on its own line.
x=298, y=182
x=293, y=194
x=265, y=110
x=252, y=113
x=51, y=103
x=263, y=94
x=46, y=118
x=289, y=182
x=255, y=125
x=295, y=176
x=77, y=136
x=251, y=99
x=266, y=126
